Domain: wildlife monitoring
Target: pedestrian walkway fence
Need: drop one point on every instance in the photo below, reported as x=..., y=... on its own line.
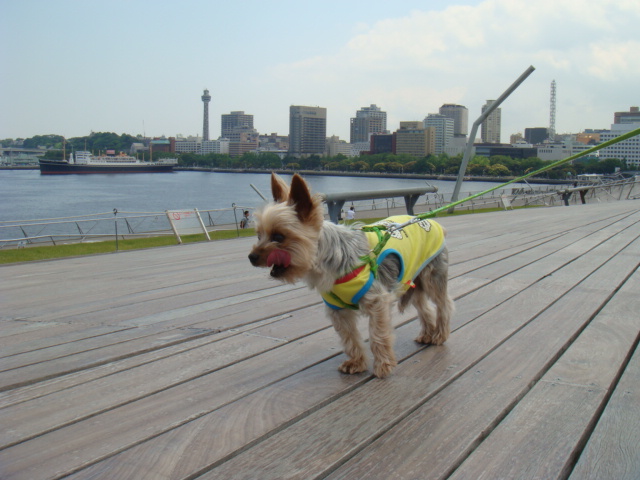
x=117, y=224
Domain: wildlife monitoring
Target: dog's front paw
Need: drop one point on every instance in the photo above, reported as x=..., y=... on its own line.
x=352, y=366
x=384, y=369
x=431, y=339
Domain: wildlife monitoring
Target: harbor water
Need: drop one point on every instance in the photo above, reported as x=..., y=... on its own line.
x=25, y=195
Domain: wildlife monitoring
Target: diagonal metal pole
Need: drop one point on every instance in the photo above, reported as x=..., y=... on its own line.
x=474, y=130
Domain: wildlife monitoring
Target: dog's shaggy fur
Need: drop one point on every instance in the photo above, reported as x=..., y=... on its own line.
x=296, y=242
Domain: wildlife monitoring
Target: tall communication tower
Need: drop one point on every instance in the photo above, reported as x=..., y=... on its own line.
x=552, y=114
x=206, y=98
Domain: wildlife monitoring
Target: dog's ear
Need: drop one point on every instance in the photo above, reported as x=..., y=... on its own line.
x=279, y=189
x=300, y=197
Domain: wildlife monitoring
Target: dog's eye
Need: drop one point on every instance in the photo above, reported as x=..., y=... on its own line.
x=277, y=237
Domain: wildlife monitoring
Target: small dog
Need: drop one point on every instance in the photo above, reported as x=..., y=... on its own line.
x=297, y=243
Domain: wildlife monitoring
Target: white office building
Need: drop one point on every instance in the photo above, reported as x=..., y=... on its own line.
x=560, y=151
x=201, y=147
x=627, y=150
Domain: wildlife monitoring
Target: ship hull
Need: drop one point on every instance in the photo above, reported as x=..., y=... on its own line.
x=65, y=168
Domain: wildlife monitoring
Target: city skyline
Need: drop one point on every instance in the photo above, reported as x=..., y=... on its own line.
x=137, y=66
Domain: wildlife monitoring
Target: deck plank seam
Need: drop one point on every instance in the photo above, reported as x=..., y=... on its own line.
x=595, y=419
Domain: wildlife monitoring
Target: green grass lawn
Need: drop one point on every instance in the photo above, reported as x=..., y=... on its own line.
x=29, y=254
x=48, y=252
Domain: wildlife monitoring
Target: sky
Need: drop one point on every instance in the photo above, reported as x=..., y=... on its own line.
x=70, y=67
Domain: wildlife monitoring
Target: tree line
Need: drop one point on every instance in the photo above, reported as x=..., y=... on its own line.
x=495, y=166
x=95, y=142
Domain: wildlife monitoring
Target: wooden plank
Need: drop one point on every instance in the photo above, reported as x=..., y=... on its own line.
x=84, y=303
x=48, y=349
x=207, y=357
x=220, y=309
x=64, y=382
x=53, y=334
x=554, y=417
x=133, y=422
x=146, y=457
x=458, y=415
x=476, y=259
x=449, y=427
x=251, y=418
x=242, y=314
x=65, y=285
x=519, y=236
x=194, y=446
x=93, y=397
x=24, y=373
x=612, y=450
x=80, y=444
x=14, y=326
x=516, y=279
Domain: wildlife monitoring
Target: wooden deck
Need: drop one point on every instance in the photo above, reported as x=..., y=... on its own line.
x=186, y=362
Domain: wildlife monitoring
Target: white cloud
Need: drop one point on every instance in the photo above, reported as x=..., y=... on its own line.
x=410, y=66
x=611, y=60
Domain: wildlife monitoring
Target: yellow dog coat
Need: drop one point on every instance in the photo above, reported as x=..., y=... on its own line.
x=414, y=245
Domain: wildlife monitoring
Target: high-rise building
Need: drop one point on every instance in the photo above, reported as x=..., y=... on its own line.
x=460, y=116
x=443, y=127
x=536, y=135
x=368, y=120
x=490, y=130
x=307, y=130
x=238, y=128
x=632, y=116
x=234, y=122
x=381, y=143
x=206, y=98
x=414, y=139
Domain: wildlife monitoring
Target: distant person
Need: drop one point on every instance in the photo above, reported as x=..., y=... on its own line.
x=244, y=223
x=351, y=214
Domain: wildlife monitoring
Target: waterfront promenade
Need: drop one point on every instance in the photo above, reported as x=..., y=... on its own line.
x=186, y=362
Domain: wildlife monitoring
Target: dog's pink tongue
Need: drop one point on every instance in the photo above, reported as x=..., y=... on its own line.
x=279, y=257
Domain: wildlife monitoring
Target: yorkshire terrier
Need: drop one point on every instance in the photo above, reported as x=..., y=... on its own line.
x=297, y=243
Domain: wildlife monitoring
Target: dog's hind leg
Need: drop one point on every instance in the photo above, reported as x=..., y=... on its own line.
x=432, y=284
x=381, y=337
x=426, y=313
x=345, y=323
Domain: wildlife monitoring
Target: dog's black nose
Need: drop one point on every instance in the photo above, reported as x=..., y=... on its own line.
x=253, y=258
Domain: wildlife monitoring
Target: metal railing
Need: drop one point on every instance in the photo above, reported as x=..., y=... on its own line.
x=102, y=226
x=110, y=225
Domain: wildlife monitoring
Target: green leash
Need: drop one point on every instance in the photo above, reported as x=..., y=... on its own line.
x=370, y=258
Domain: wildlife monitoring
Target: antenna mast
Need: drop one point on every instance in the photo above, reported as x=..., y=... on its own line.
x=552, y=114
